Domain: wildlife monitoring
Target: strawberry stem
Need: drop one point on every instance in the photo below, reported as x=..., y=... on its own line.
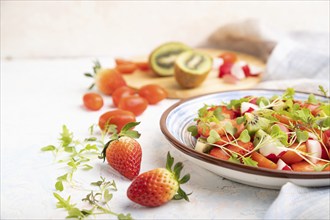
x=177, y=171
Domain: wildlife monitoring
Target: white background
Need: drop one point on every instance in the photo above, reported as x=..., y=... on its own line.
x=99, y=28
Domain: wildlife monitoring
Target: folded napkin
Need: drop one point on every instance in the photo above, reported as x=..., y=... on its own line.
x=292, y=55
x=295, y=202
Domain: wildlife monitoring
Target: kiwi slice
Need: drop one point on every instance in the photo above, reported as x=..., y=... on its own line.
x=191, y=68
x=255, y=123
x=161, y=59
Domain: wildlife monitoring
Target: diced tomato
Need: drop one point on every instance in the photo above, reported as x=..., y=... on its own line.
x=263, y=161
x=291, y=157
x=243, y=149
x=219, y=153
x=304, y=166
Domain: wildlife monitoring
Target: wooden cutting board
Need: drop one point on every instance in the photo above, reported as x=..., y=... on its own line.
x=211, y=84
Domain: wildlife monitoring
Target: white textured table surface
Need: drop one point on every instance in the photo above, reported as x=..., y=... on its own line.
x=39, y=96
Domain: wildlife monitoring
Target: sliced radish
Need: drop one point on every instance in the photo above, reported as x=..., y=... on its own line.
x=255, y=70
x=314, y=149
x=312, y=136
x=326, y=138
x=217, y=62
x=281, y=165
x=225, y=69
x=246, y=70
x=248, y=107
x=273, y=151
x=237, y=70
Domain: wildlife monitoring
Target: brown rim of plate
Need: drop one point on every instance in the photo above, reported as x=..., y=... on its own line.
x=230, y=165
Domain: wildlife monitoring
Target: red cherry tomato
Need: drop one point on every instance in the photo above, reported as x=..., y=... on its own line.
x=108, y=80
x=142, y=65
x=126, y=68
x=134, y=103
x=228, y=57
x=93, y=101
x=152, y=93
x=120, y=93
x=117, y=117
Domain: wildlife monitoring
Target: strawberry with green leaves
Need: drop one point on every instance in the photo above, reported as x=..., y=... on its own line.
x=158, y=186
x=123, y=152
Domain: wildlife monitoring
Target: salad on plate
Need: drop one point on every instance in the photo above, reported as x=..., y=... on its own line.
x=276, y=133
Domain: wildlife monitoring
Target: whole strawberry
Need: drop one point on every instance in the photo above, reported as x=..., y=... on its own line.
x=123, y=152
x=158, y=186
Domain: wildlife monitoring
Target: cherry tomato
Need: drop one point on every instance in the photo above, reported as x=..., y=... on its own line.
x=142, y=65
x=228, y=57
x=152, y=93
x=93, y=101
x=120, y=61
x=133, y=103
x=108, y=80
x=117, y=117
x=126, y=68
x=120, y=93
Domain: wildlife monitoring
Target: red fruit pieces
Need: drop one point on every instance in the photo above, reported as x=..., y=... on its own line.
x=153, y=188
x=124, y=155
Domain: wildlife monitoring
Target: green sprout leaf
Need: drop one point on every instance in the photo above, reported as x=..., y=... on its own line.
x=193, y=130
x=59, y=186
x=244, y=136
x=302, y=136
x=323, y=91
x=249, y=161
x=48, y=148
x=213, y=137
x=234, y=158
x=230, y=128
x=312, y=99
x=218, y=114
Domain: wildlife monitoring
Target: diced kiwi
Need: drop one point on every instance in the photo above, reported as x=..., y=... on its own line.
x=280, y=106
x=260, y=135
x=255, y=122
x=191, y=68
x=161, y=59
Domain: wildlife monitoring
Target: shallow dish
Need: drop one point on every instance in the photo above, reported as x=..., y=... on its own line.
x=176, y=119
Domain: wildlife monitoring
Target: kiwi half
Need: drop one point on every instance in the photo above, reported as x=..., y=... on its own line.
x=161, y=59
x=191, y=68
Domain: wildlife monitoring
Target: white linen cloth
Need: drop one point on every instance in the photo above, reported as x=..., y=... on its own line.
x=298, y=60
x=295, y=202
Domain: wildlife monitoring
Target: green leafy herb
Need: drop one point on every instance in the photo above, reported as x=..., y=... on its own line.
x=312, y=99
x=323, y=91
x=302, y=136
x=244, y=136
x=230, y=128
x=213, y=137
x=193, y=130
x=249, y=161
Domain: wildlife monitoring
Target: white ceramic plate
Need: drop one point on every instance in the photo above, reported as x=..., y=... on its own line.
x=177, y=118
